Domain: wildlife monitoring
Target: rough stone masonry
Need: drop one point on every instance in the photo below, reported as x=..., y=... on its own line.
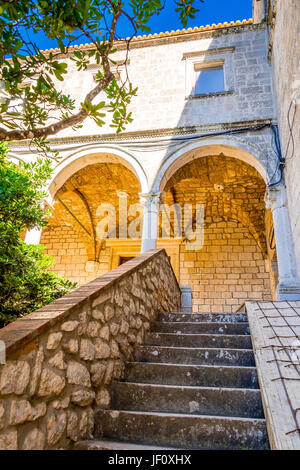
x=62, y=358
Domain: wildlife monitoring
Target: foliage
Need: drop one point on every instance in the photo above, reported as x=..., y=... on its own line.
x=32, y=103
x=34, y=106
x=186, y=10
x=25, y=283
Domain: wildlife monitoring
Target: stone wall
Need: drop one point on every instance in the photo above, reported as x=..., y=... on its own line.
x=164, y=108
x=62, y=358
x=229, y=269
x=158, y=68
x=259, y=10
x=285, y=43
x=229, y=189
x=69, y=249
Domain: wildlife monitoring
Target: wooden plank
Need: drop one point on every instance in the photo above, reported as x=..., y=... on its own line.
x=275, y=331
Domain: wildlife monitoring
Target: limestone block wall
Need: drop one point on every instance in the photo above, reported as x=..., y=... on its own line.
x=227, y=271
x=70, y=254
x=159, y=69
x=62, y=358
x=285, y=43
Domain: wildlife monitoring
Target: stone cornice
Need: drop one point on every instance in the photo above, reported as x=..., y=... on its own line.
x=191, y=34
x=145, y=135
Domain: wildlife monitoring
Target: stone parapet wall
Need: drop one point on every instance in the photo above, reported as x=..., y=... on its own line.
x=62, y=358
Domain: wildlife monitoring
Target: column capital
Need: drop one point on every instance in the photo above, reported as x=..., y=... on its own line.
x=149, y=199
x=275, y=198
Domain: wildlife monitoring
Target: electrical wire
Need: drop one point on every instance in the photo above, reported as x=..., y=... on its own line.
x=275, y=141
x=283, y=160
x=291, y=137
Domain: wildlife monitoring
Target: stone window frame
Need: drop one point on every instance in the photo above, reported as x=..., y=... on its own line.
x=208, y=66
x=207, y=58
x=118, y=69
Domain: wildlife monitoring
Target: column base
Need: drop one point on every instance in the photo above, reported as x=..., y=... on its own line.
x=186, y=299
x=288, y=290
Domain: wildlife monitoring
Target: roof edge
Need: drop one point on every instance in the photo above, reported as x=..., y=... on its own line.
x=166, y=34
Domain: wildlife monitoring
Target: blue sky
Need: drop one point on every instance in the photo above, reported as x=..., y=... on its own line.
x=211, y=11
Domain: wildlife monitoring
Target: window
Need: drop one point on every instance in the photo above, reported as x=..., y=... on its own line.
x=209, y=73
x=208, y=79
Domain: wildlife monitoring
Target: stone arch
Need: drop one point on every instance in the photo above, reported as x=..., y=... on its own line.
x=81, y=185
x=218, y=169
x=96, y=154
x=228, y=146
x=232, y=263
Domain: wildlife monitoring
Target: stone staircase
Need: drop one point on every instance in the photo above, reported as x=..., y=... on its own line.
x=193, y=385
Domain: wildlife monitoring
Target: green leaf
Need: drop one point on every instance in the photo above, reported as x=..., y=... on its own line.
x=61, y=45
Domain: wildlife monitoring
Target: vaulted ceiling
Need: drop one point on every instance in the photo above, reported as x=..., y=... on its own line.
x=228, y=188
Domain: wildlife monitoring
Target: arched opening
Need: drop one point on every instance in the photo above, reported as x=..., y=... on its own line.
x=89, y=156
x=266, y=165
x=83, y=202
x=234, y=262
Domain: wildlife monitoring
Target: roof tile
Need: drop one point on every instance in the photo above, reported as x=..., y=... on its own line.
x=167, y=33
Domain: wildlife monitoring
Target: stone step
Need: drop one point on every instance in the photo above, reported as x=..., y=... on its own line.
x=244, y=403
x=202, y=317
x=105, y=444
x=200, y=327
x=183, y=431
x=200, y=340
x=212, y=356
x=191, y=375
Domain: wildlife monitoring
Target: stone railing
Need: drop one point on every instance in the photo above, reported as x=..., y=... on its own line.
x=61, y=359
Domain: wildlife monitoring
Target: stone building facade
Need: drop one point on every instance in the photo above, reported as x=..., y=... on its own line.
x=216, y=149
x=284, y=56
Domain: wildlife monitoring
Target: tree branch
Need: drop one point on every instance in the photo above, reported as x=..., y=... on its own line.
x=75, y=119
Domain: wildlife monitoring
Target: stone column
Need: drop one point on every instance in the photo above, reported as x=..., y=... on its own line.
x=150, y=203
x=33, y=236
x=288, y=286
